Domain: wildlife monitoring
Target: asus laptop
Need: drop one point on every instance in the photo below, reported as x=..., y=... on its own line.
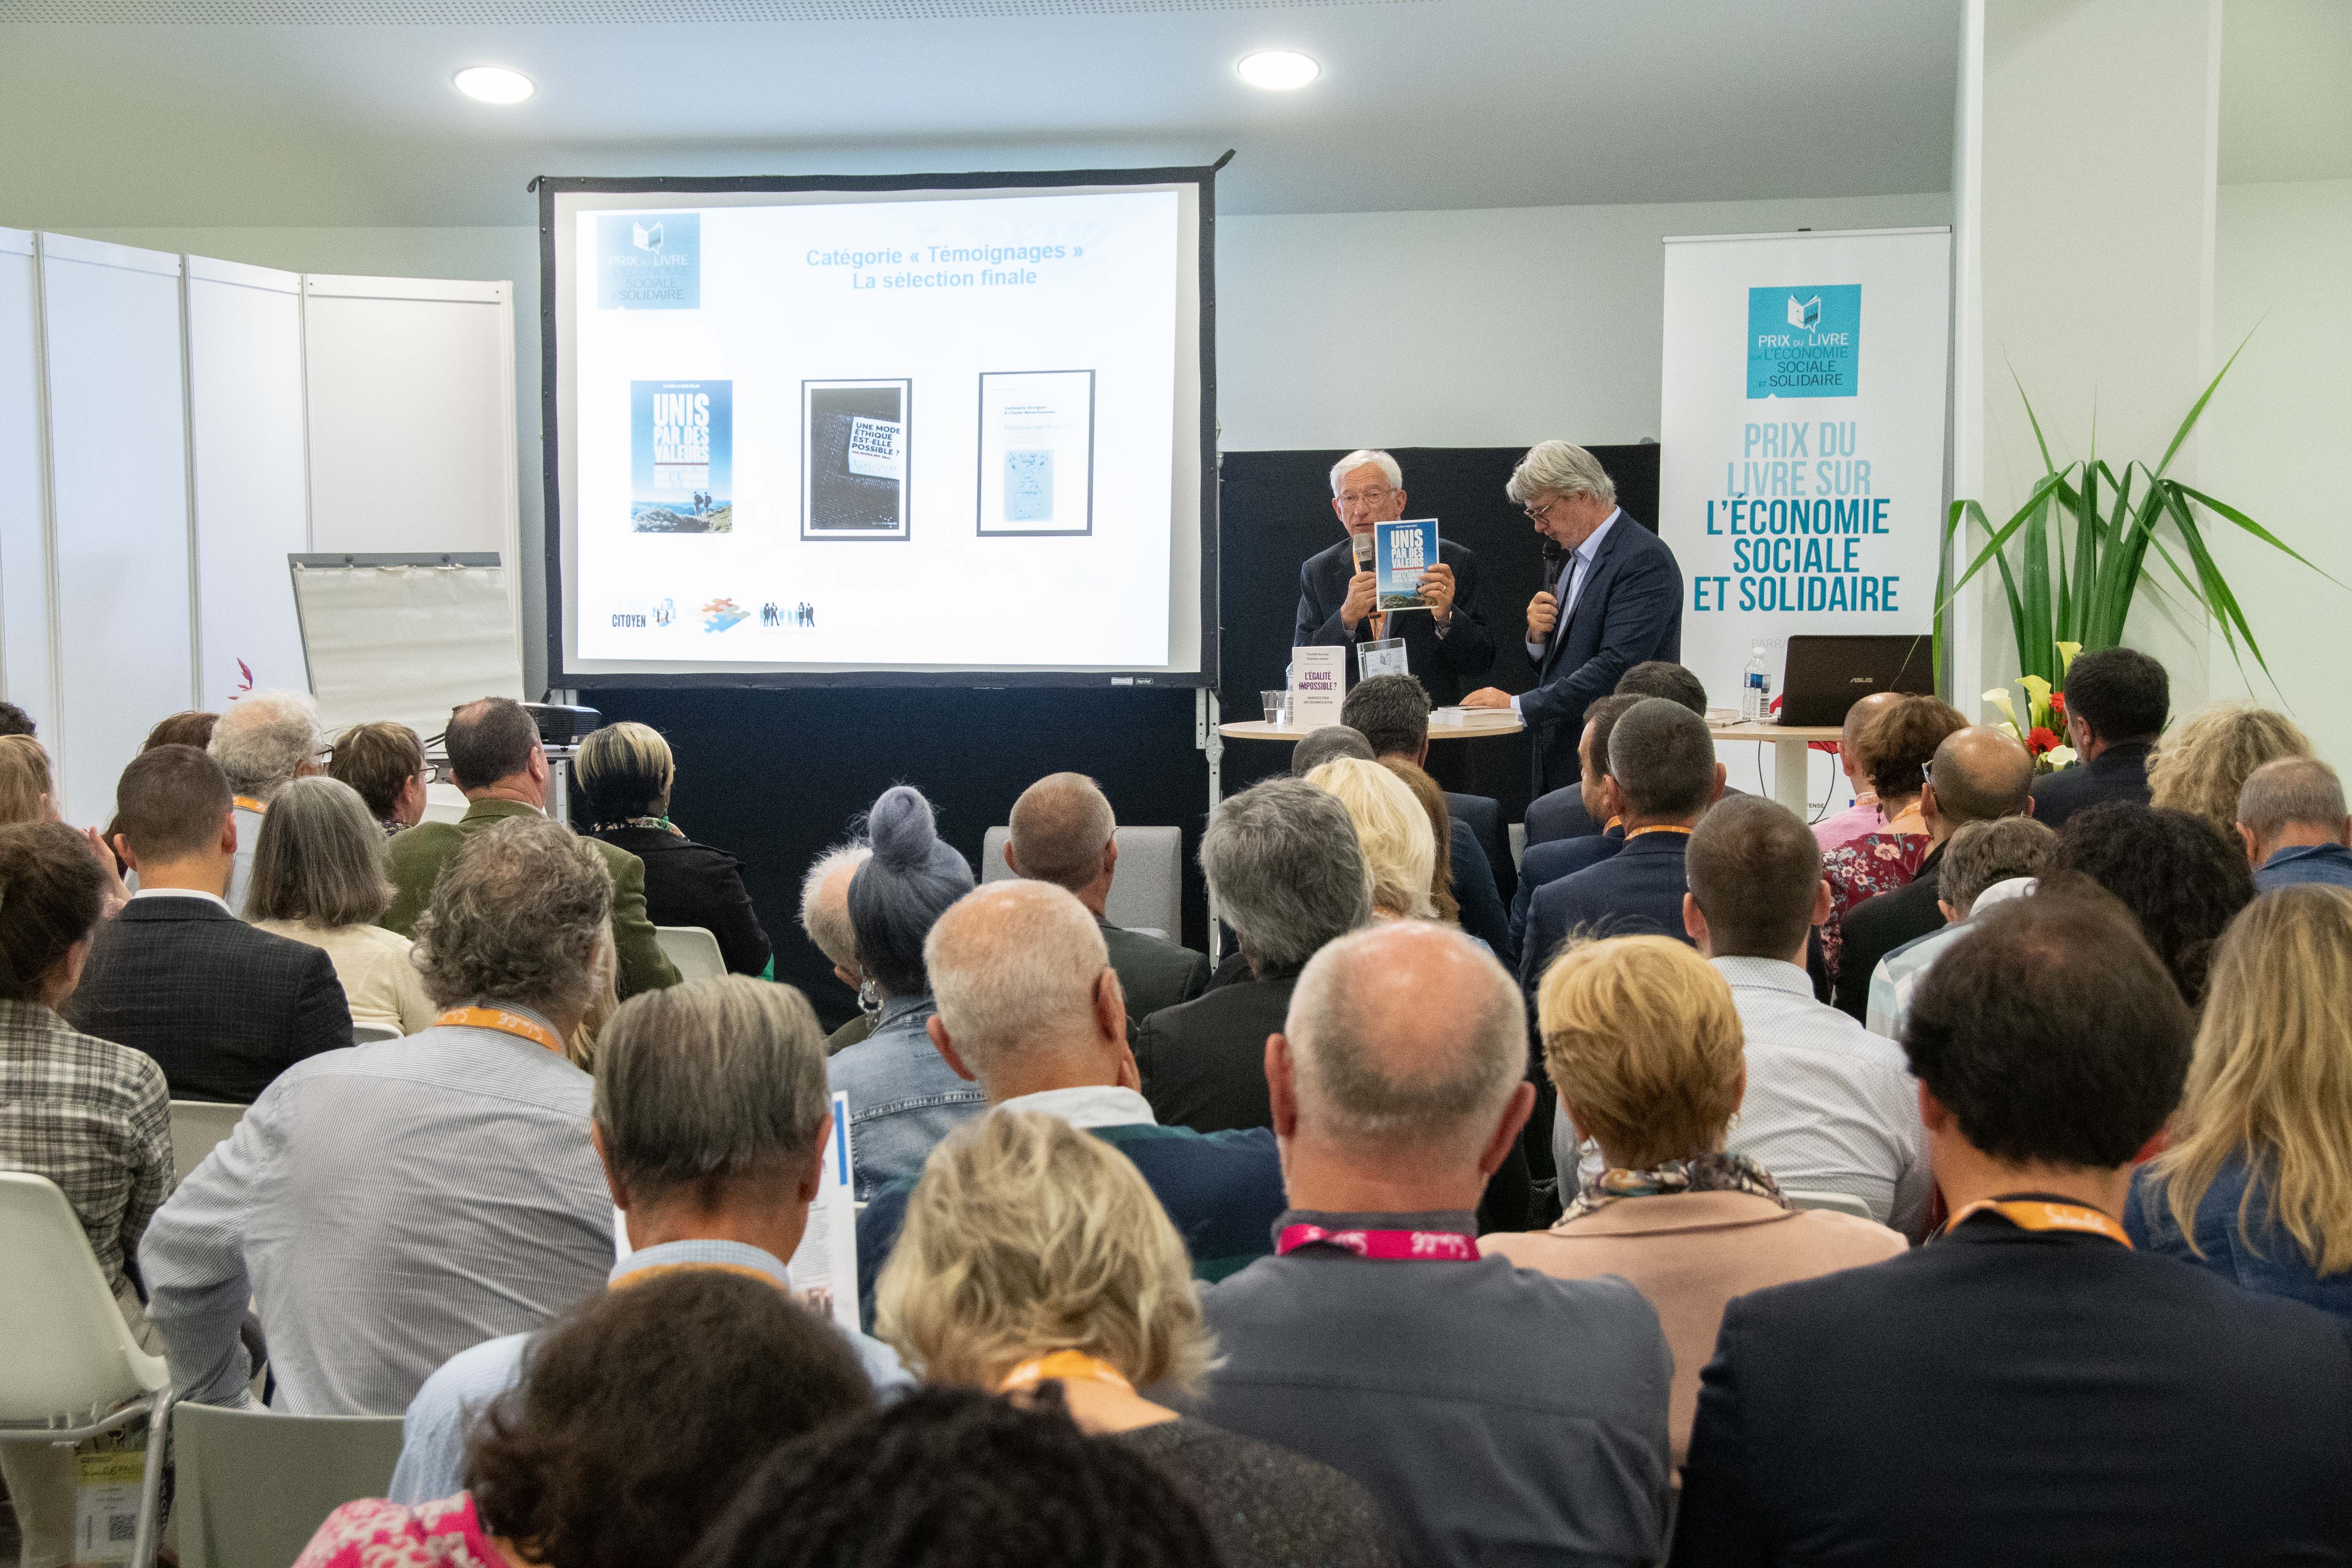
x=1825, y=676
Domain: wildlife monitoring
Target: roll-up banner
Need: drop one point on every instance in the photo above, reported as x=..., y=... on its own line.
x=1801, y=477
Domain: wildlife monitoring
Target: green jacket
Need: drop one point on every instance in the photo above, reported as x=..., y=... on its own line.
x=418, y=853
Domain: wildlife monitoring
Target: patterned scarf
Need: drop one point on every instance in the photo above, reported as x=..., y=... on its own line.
x=1703, y=1173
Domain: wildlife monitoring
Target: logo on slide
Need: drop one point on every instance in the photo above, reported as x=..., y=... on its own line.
x=649, y=262
x=720, y=613
x=665, y=612
x=1804, y=342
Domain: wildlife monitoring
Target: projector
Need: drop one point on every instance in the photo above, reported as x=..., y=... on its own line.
x=561, y=725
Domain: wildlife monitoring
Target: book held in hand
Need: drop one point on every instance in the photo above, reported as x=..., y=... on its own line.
x=1401, y=552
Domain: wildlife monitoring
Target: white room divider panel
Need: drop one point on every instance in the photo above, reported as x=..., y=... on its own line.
x=251, y=483
x=24, y=467
x=119, y=508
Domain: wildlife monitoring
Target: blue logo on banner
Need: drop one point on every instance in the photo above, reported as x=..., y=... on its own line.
x=649, y=261
x=1804, y=342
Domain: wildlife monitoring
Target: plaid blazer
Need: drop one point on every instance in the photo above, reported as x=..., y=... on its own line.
x=91, y=1116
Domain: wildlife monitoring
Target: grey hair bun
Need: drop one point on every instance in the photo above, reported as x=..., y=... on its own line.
x=896, y=897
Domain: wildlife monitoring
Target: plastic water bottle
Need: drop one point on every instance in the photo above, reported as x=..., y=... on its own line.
x=1756, y=689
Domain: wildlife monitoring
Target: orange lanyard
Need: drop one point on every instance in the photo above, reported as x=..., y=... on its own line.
x=1633, y=833
x=2033, y=1213
x=1064, y=1364
x=505, y=1023
x=250, y=803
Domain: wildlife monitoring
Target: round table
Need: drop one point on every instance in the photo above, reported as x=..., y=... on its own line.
x=1445, y=724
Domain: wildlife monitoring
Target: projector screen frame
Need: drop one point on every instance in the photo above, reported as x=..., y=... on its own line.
x=561, y=676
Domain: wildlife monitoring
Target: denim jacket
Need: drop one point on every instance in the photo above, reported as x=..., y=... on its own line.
x=903, y=1097
x=2272, y=1262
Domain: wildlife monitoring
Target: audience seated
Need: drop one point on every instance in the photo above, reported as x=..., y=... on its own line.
x=711, y=1120
x=2291, y=819
x=903, y=1097
x=15, y=720
x=1399, y=848
x=1029, y=1008
x=2256, y=1185
x=190, y=728
x=824, y=921
x=266, y=740
x=2202, y=764
x=1391, y=712
x=385, y=763
x=1062, y=831
x=1896, y=748
x=1033, y=1256
x=2029, y=1389
x=1975, y=774
x=1568, y=813
x=495, y=759
x=1319, y=746
x=383, y=1207
x=1502, y=1414
x=626, y=772
x=223, y=1007
x=1282, y=863
x=1545, y=863
x=2115, y=702
x=1984, y=864
x=645, y=1411
x=321, y=876
x=90, y=1115
x=2180, y=877
x=1865, y=815
x=1643, y=1044
x=951, y=1477
x=1432, y=801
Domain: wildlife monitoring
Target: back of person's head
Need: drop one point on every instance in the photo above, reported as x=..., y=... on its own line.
x=518, y=915
x=1858, y=718
x=1642, y=1039
x=951, y=1477
x=169, y=802
x=1058, y=830
x=24, y=786
x=1663, y=758
x=1322, y=744
x=825, y=903
x=1602, y=716
x=1664, y=678
x=1282, y=861
x=2047, y=1031
x=321, y=860
x=1408, y=1035
x=1755, y=869
x=2270, y=1084
x=192, y=728
x=15, y=720
x=377, y=760
x=2202, y=765
x=711, y=1084
x=2292, y=792
x=644, y=1408
x=1982, y=853
x=1399, y=850
x=51, y=894
x=263, y=741
x=1980, y=776
x=1441, y=832
x=1014, y=968
x=1391, y=712
x=2178, y=876
x=909, y=882
x=487, y=740
x=626, y=770
x=1025, y=1237
x=2120, y=693
x=1895, y=747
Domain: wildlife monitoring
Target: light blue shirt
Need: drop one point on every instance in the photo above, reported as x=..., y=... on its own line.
x=240, y=873
x=442, y=1417
x=1573, y=575
x=1899, y=973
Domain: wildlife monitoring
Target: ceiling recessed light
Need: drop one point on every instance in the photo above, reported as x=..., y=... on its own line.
x=1278, y=69
x=494, y=84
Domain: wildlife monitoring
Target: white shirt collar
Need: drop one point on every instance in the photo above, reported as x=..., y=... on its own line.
x=2000, y=892
x=1088, y=1107
x=182, y=894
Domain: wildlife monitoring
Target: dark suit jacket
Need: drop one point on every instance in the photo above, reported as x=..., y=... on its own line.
x=1484, y=815
x=1638, y=891
x=1881, y=923
x=1446, y=666
x=690, y=884
x=1629, y=610
x=1153, y=973
x=1547, y=863
x=2024, y=1398
x=1203, y=1061
x=222, y=1007
x=1559, y=813
x=2119, y=772
x=1482, y=912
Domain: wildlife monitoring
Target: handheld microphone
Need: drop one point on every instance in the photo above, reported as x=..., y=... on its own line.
x=1554, y=559
x=1363, y=545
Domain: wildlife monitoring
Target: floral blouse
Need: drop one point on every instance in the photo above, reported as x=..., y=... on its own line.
x=1872, y=864
x=374, y=1533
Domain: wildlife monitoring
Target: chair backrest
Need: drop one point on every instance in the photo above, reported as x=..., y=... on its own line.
x=197, y=1127
x=446, y=810
x=1841, y=1203
x=692, y=949
x=369, y=1034
x=1148, y=892
x=254, y=1486
x=1518, y=844
x=68, y=1352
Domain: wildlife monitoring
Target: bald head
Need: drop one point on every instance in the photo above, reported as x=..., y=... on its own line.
x=1979, y=775
x=1059, y=829
x=1019, y=971
x=825, y=905
x=1857, y=720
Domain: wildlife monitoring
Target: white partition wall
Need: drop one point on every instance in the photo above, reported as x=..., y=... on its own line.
x=24, y=476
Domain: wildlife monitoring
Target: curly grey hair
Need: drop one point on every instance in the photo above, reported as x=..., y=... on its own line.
x=518, y=916
x=263, y=738
x=1560, y=468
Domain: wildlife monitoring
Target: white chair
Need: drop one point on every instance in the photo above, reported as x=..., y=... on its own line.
x=1518, y=843
x=1840, y=1202
x=1147, y=894
x=446, y=811
x=254, y=1486
x=369, y=1033
x=692, y=949
x=198, y=1126
x=73, y=1370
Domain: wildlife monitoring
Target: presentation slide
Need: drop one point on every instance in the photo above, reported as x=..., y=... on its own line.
x=901, y=433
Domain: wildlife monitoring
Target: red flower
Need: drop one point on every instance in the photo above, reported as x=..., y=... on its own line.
x=2041, y=740
x=2058, y=703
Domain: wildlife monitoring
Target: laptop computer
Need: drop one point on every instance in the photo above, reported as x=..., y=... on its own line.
x=1824, y=676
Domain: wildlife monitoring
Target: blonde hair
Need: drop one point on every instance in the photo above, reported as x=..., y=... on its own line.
x=2204, y=761
x=2271, y=1080
x=1400, y=851
x=626, y=770
x=1027, y=1237
x=24, y=780
x=1441, y=836
x=1641, y=1036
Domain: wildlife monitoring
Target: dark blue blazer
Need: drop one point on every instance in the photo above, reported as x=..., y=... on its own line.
x=1631, y=610
x=2119, y=772
x=1482, y=912
x=1547, y=863
x=1559, y=814
x=1445, y=666
x=1484, y=815
x=1638, y=891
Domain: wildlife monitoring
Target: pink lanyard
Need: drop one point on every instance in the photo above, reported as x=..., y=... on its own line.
x=1424, y=1245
